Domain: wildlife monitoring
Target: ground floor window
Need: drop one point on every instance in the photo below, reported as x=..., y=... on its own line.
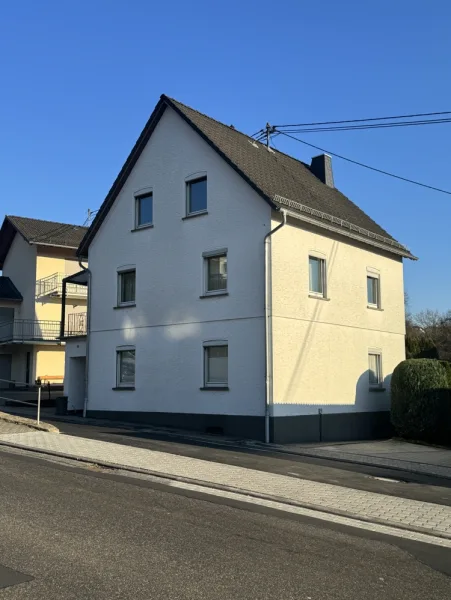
x=375, y=369
x=216, y=364
x=125, y=367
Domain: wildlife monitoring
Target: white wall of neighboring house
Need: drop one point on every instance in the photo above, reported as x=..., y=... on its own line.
x=20, y=267
x=74, y=373
x=170, y=322
x=321, y=346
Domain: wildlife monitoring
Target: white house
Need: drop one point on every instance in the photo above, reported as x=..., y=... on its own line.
x=233, y=288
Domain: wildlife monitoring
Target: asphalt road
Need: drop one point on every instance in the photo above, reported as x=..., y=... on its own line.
x=363, y=477
x=73, y=533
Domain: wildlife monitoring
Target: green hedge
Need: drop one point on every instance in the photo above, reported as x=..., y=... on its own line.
x=421, y=400
x=447, y=366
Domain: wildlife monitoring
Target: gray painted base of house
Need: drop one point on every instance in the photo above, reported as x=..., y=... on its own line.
x=283, y=430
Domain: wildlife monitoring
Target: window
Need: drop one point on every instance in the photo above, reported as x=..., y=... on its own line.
x=196, y=196
x=126, y=287
x=216, y=364
x=144, y=210
x=317, y=276
x=373, y=295
x=375, y=369
x=215, y=271
x=125, y=367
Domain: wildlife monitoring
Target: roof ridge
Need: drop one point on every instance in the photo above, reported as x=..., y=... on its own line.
x=45, y=221
x=250, y=138
x=229, y=127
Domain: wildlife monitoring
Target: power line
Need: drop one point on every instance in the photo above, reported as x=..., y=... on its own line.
x=431, y=114
x=52, y=232
x=369, y=126
x=257, y=132
x=355, y=162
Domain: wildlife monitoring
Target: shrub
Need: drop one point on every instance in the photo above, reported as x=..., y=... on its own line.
x=418, y=397
x=447, y=366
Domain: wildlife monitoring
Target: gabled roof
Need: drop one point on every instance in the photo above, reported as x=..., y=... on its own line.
x=8, y=290
x=272, y=174
x=37, y=231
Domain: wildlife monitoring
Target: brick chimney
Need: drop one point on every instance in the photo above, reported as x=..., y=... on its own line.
x=321, y=167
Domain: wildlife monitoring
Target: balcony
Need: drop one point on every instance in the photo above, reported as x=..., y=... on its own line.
x=76, y=324
x=53, y=286
x=26, y=330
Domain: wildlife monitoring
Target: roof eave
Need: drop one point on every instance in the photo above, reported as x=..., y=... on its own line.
x=120, y=180
x=368, y=241
x=265, y=197
x=133, y=157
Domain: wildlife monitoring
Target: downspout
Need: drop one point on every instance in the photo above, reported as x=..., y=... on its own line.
x=268, y=325
x=88, y=328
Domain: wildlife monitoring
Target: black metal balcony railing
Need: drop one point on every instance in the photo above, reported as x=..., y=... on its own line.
x=26, y=330
x=53, y=286
x=76, y=324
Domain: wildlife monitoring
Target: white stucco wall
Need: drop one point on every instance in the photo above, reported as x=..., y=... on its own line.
x=74, y=372
x=20, y=267
x=170, y=321
x=321, y=346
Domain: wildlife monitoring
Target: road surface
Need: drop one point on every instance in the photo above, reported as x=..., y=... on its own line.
x=77, y=533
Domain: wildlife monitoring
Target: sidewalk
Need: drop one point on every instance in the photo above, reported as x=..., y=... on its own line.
x=393, y=454
x=429, y=521
x=389, y=454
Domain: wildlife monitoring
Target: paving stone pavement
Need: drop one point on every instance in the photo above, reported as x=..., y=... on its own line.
x=8, y=428
x=401, y=461
x=401, y=512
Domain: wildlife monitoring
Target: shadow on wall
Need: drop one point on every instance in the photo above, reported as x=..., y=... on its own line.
x=368, y=417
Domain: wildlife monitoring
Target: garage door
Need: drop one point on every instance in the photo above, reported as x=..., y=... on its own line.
x=5, y=369
x=6, y=314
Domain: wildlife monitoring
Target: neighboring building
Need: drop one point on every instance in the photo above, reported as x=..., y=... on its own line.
x=202, y=319
x=35, y=256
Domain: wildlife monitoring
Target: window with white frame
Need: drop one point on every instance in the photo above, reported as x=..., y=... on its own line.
x=317, y=276
x=373, y=291
x=126, y=284
x=216, y=364
x=196, y=195
x=215, y=271
x=375, y=369
x=125, y=367
x=143, y=210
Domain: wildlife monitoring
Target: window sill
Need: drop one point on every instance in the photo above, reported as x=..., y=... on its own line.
x=141, y=227
x=375, y=308
x=319, y=297
x=197, y=214
x=214, y=294
x=131, y=305
x=378, y=389
x=214, y=389
x=127, y=388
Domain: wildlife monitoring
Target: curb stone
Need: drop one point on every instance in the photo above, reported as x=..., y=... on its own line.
x=230, y=489
x=28, y=423
x=395, y=465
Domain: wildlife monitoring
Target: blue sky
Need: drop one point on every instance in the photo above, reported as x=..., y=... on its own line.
x=79, y=80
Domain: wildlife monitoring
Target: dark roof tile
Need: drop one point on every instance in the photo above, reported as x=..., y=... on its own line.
x=49, y=232
x=270, y=172
x=8, y=290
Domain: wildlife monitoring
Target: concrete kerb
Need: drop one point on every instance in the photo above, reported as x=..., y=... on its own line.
x=224, y=442
x=421, y=469
x=28, y=423
x=230, y=489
